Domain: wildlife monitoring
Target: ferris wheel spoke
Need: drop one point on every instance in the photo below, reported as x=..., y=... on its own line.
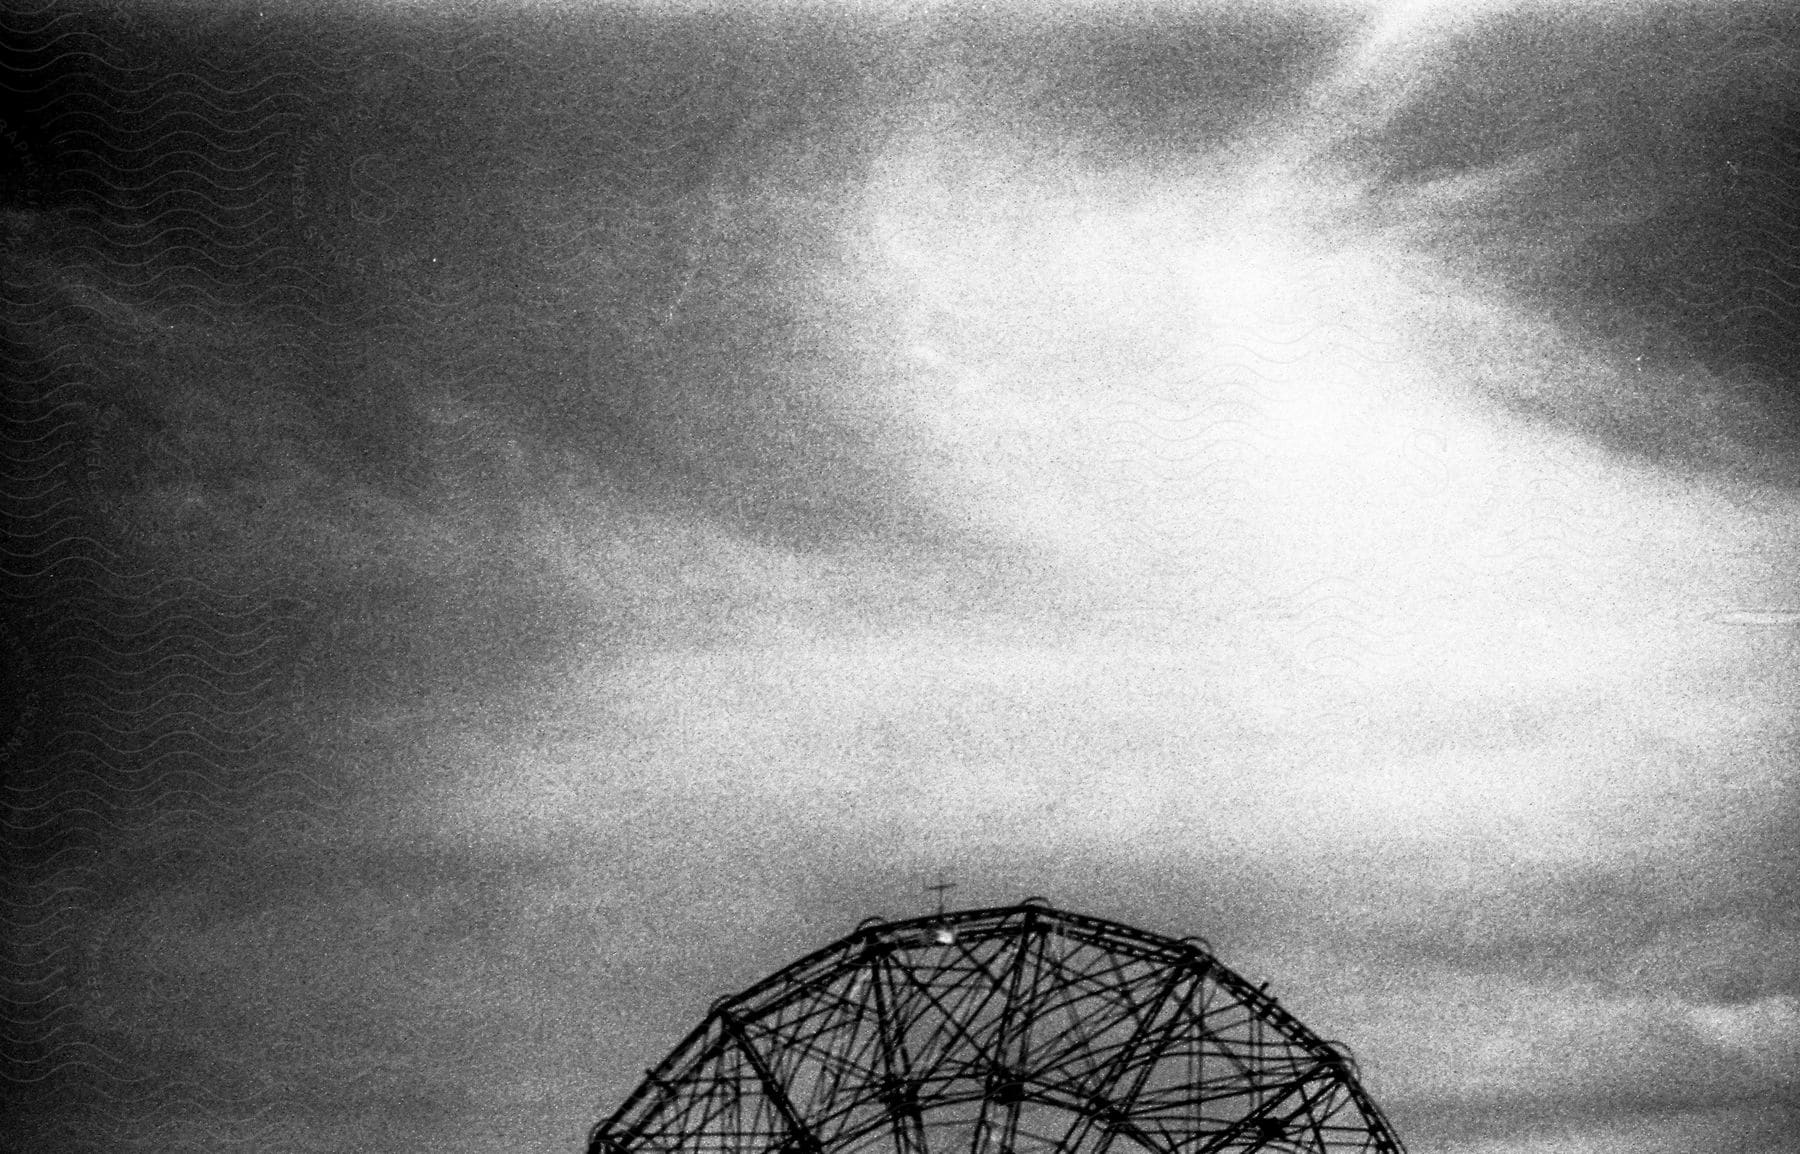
x=1095, y=1003
x=1001, y=1074
x=1107, y=1077
x=900, y=1095
x=800, y=1136
x=949, y=1022
x=1261, y=1124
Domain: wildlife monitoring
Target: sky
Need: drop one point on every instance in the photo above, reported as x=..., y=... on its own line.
x=525, y=518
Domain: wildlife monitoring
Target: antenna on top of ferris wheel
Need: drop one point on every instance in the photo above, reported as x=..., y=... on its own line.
x=941, y=888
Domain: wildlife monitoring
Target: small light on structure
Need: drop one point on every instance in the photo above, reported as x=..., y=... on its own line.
x=946, y=938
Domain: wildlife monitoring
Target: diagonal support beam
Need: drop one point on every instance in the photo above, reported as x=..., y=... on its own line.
x=1149, y=1039
x=897, y=1071
x=1237, y=1129
x=801, y=1135
x=1002, y=1060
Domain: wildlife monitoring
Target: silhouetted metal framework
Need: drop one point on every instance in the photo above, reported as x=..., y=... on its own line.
x=1019, y=1029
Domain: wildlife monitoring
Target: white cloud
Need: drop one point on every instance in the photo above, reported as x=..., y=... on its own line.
x=1302, y=574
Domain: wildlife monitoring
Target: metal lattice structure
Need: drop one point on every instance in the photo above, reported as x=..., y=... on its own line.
x=1017, y=1030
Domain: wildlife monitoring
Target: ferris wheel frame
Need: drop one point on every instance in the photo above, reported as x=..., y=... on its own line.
x=1018, y=1029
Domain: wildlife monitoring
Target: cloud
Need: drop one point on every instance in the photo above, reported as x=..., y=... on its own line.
x=1611, y=168
x=1139, y=498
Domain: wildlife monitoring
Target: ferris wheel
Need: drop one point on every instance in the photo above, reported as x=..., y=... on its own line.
x=1015, y=1030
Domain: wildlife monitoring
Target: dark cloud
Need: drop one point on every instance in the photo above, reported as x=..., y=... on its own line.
x=1622, y=171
